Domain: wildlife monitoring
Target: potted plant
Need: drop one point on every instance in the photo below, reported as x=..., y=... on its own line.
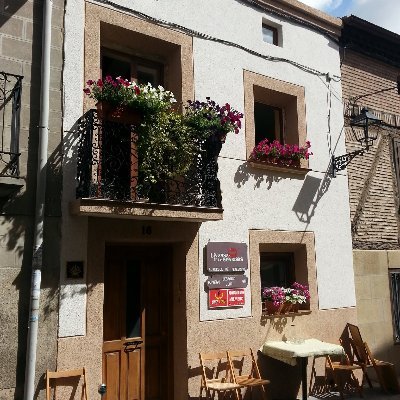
x=299, y=294
x=209, y=119
x=274, y=299
x=120, y=100
x=274, y=152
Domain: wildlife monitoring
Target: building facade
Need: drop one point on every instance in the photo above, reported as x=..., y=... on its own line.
x=20, y=79
x=216, y=51
x=370, y=70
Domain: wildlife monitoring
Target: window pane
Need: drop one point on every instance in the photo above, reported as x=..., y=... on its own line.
x=133, y=303
x=267, y=122
x=268, y=34
x=277, y=269
x=147, y=74
x=115, y=67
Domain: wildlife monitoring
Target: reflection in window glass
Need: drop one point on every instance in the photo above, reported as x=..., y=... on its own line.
x=270, y=34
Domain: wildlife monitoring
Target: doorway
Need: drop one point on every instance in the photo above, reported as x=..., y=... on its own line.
x=137, y=323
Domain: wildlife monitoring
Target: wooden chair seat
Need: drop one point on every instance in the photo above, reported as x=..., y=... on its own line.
x=237, y=361
x=212, y=381
x=222, y=386
x=245, y=380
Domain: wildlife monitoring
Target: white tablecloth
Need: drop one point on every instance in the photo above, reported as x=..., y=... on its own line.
x=288, y=352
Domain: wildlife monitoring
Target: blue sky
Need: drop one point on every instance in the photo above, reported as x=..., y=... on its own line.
x=385, y=13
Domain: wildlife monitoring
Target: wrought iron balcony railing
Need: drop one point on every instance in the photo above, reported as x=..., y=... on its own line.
x=108, y=167
x=10, y=108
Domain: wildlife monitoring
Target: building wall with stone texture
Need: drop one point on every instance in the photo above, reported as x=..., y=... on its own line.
x=20, y=54
x=373, y=195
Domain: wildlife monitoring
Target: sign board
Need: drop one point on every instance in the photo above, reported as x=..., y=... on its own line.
x=227, y=281
x=226, y=257
x=218, y=298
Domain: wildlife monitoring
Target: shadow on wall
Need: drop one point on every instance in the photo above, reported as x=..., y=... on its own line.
x=312, y=191
x=245, y=173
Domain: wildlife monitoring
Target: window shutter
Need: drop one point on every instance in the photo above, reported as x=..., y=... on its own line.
x=396, y=161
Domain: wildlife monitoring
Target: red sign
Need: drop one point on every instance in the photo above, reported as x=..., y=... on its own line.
x=225, y=298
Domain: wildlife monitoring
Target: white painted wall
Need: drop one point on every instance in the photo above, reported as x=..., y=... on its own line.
x=218, y=72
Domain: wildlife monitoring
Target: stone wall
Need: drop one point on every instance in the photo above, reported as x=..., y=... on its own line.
x=20, y=54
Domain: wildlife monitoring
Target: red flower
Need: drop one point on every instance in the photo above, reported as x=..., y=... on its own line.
x=99, y=83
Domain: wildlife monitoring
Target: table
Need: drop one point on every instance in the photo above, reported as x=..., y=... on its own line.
x=290, y=352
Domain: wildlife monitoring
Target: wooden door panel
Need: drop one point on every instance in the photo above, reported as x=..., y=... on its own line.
x=112, y=373
x=134, y=378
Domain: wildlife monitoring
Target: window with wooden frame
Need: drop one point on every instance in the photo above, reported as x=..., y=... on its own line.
x=270, y=34
x=274, y=110
x=133, y=68
x=394, y=279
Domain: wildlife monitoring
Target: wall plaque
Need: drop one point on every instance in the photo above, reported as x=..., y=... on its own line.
x=227, y=281
x=226, y=257
x=218, y=298
x=75, y=270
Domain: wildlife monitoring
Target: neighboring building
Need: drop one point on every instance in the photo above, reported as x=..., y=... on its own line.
x=370, y=71
x=20, y=60
x=285, y=218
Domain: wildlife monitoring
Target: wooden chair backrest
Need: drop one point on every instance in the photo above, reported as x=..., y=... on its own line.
x=72, y=373
x=215, y=356
x=358, y=344
x=247, y=353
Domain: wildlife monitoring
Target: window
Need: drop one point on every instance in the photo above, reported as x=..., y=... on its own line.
x=277, y=269
x=274, y=109
x=270, y=34
x=394, y=277
x=268, y=122
x=137, y=69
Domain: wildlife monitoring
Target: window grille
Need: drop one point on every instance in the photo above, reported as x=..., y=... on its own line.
x=10, y=108
x=395, y=294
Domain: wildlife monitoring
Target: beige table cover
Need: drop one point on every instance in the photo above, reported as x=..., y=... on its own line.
x=288, y=352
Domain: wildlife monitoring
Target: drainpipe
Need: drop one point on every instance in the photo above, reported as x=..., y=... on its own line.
x=40, y=204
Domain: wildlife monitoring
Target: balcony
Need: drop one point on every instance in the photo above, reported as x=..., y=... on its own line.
x=111, y=183
x=10, y=108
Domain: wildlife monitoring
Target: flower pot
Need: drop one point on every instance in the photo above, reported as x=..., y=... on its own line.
x=279, y=162
x=287, y=307
x=123, y=115
x=295, y=307
x=273, y=309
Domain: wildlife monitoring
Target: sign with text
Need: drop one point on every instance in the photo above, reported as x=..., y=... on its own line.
x=226, y=298
x=226, y=257
x=227, y=281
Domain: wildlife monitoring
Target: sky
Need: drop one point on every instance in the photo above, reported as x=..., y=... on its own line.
x=385, y=13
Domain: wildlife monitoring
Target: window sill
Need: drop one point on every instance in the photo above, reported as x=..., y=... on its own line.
x=285, y=315
x=279, y=168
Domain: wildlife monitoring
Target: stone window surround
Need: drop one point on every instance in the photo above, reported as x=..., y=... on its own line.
x=279, y=94
x=302, y=244
x=102, y=23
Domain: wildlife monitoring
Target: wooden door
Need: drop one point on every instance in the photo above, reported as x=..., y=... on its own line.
x=137, y=360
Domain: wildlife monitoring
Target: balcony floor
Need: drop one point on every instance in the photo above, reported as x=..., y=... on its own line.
x=140, y=210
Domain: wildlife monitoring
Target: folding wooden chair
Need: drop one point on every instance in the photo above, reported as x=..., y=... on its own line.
x=214, y=383
x=385, y=371
x=73, y=373
x=343, y=373
x=237, y=361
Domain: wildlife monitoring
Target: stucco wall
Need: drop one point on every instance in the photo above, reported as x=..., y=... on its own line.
x=252, y=199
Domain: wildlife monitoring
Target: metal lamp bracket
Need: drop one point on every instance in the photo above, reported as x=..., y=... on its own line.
x=341, y=162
